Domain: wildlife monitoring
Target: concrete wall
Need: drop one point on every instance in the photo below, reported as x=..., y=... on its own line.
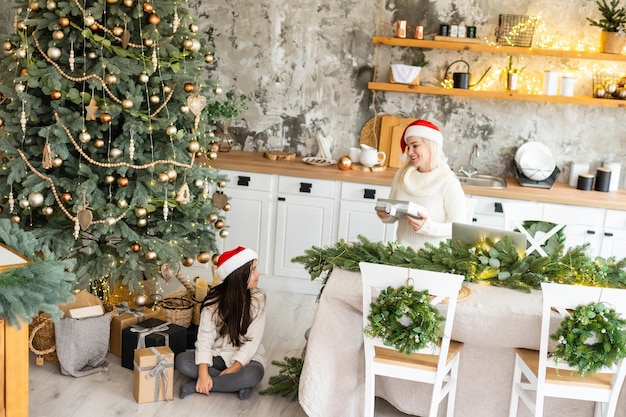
x=305, y=66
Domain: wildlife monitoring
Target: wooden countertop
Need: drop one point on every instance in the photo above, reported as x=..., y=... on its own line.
x=560, y=193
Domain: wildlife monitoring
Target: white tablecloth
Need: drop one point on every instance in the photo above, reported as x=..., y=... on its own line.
x=491, y=323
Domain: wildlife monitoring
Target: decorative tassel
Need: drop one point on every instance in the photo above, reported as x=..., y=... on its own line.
x=183, y=195
x=46, y=160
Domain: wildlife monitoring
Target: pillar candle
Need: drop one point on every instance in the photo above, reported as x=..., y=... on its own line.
x=202, y=287
x=615, y=168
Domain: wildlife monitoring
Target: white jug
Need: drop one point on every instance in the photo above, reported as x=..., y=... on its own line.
x=371, y=156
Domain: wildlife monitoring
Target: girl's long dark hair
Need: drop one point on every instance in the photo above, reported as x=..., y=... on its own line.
x=232, y=299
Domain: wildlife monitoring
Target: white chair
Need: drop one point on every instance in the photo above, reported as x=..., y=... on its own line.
x=536, y=373
x=436, y=365
x=515, y=214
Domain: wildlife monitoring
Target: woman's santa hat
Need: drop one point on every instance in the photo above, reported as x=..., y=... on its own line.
x=423, y=129
x=231, y=260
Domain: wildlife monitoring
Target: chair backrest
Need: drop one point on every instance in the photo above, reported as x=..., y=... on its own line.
x=515, y=214
x=441, y=286
x=559, y=298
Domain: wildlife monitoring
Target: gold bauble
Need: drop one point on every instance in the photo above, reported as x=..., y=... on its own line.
x=84, y=136
x=155, y=99
x=163, y=178
x=55, y=94
x=154, y=19
x=218, y=90
x=7, y=46
x=47, y=211
x=144, y=77
x=224, y=233
x=142, y=222
x=135, y=247
x=35, y=199
x=209, y=58
x=227, y=207
x=187, y=43
x=58, y=35
x=23, y=72
x=187, y=261
x=54, y=52
x=150, y=255
x=184, y=109
x=110, y=221
x=211, y=155
x=112, y=1
x=118, y=31
x=34, y=6
x=109, y=179
x=20, y=87
x=51, y=5
x=141, y=212
x=115, y=152
x=127, y=103
x=167, y=89
x=189, y=87
x=214, y=147
x=344, y=163
x=141, y=300
x=215, y=258
x=89, y=20
x=66, y=197
x=172, y=174
x=148, y=7
x=204, y=257
x=148, y=42
x=98, y=143
x=219, y=224
x=110, y=78
x=64, y=21
x=57, y=162
x=171, y=130
x=24, y=203
x=122, y=203
x=221, y=183
x=193, y=146
x=122, y=182
x=94, y=27
x=105, y=118
x=129, y=3
x=212, y=217
x=16, y=219
x=193, y=28
x=198, y=183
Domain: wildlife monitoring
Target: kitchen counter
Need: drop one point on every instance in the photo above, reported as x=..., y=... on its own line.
x=560, y=193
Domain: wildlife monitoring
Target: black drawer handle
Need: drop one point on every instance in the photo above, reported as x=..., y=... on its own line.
x=281, y=198
x=305, y=187
x=369, y=194
x=243, y=181
x=498, y=208
x=608, y=234
x=591, y=232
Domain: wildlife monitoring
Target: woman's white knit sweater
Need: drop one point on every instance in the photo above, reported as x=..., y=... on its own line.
x=440, y=192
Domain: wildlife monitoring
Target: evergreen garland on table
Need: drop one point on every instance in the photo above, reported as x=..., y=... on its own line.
x=593, y=337
x=404, y=318
x=497, y=263
x=287, y=382
x=41, y=285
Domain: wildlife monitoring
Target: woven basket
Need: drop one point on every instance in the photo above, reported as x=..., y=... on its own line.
x=178, y=310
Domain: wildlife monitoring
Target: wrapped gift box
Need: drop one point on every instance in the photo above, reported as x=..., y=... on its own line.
x=125, y=320
x=154, y=374
x=152, y=332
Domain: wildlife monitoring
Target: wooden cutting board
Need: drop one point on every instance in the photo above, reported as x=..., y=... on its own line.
x=391, y=130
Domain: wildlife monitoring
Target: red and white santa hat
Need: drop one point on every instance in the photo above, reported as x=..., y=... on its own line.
x=424, y=129
x=231, y=260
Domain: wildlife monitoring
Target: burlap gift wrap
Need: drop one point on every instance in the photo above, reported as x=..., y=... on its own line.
x=125, y=318
x=154, y=374
x=152, y=332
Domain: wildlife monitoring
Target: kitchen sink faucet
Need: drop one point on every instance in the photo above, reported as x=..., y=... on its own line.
x=471, y=171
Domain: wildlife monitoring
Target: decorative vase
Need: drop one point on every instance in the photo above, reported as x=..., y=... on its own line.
x=225, y=140
x=511, y=81
x=611, y=42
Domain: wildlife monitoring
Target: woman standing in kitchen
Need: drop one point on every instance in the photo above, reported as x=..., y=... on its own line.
x=427, y=180
x=229, y=354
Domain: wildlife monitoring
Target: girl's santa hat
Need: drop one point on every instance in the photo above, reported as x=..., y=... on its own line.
x=231, y=260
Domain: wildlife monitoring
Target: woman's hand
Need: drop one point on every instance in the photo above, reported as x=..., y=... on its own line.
x=414, y=223
x=235, y=367
x=204, y=384
x=382, y=214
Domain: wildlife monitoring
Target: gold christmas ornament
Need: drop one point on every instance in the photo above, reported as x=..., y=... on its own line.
x=112, y=1
x=7, y=46
x=118, y=31
x=47, y=211
x=57, y=162
x=195, y=45
x=24, y=204
x=217, y=90
x=129, y=3
x=196, y=104
x=148, y=7
x=212, y=155
x=227, y=207
x=214, y=147
x=84, y=217
x=193, y=28
x=115, y=152
x=135, y=247
x=55, y=94
x=127, y=103
x=199, y=183
x=122, y=182
x=89, y=20
x=150, y=255
x=20, y=87
x=204, y=257
x=148, y=42
x=66, y=197
x=219, y=200
x=109, y=179
x=84, y=136
x=110, y=221
x=144, y=77
x=209, y=58
x=15, y=218
x=172, y=174
x=122, y=203
x=141, y=212
x=187, y=43
x=105, y=118
x=167, y=89
x=92, y=55
x=142, y=222
x=21, y=53
x=110, y=79
x=64, y=21
x=219, y=224
x=155, y=99
x=224, y=233
x=184, y=109
x=23, y=72
x=35, y=199
x=98, y=143
x=221, y=183
x=154, y=19
x=212, y=217
x=171, y=130
x=189, y=87
x=187, y=262
x=215, y=258
x=34, y=6
x=194, y=146
x=51, y=5
x=344, y=163
x=163, y=178
x=58, y=35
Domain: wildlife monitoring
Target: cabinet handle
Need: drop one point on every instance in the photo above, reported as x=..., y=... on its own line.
x=497, y=207
x=591, y=232
x=474, y=219
x=305, y=187
x=281, y=198
x=608, y=234
x=369, y=193
x=243, y=181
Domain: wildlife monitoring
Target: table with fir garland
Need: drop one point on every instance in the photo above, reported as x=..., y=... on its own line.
x=491, y=323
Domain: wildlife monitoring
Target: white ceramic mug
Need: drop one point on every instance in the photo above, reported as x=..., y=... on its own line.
x=371, y=156
x=354, y=154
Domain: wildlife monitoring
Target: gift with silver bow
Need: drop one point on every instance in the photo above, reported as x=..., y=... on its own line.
x=149, y=333
x=154, y=374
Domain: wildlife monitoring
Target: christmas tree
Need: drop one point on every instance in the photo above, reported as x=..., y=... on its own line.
x=107, y=108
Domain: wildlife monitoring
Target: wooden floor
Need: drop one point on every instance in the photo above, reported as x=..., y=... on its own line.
x=111, y=394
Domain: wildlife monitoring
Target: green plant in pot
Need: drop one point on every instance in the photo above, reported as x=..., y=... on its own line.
x=512, y=74
x=613, y=25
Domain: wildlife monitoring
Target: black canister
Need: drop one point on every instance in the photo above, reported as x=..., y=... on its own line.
x=470, y=31
x=444, y=29
x=603, y=179
x=585, y=182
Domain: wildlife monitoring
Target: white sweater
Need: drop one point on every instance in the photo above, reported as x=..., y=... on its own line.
x=440, y=192
x=210, y=344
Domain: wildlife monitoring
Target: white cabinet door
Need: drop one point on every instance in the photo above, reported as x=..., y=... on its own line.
x=614, y=235
x=357, y=215
x=488, y=211
x=583, y=224
x=304, y=218
x=250, y=219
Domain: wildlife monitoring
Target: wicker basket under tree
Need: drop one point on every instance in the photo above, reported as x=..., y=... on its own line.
x=178, y=306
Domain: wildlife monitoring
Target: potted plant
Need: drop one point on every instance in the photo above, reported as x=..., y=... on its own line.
x=512, y=75
x=407, y=74
x=613, y=25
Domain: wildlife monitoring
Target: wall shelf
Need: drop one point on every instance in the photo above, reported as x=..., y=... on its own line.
x=501, y=95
